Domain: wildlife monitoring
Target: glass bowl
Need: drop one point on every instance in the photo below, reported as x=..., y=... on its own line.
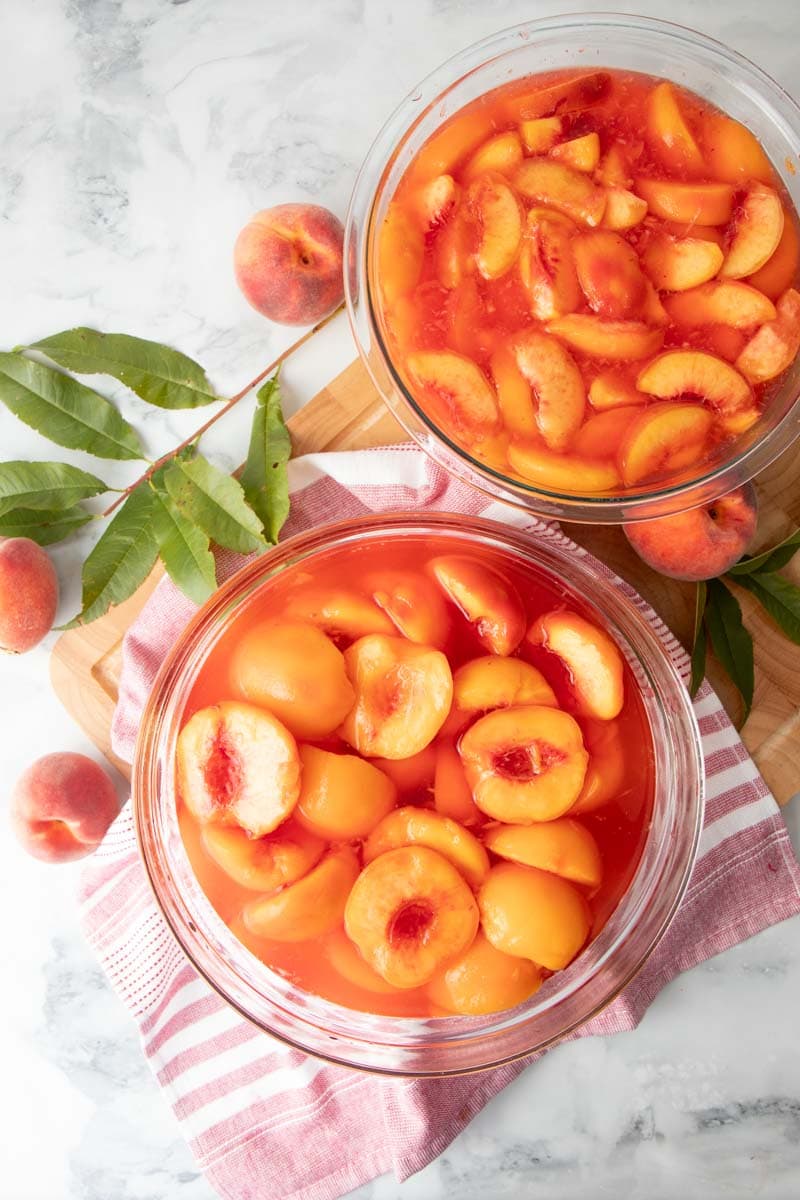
x=436, y=1046
x=584, y=40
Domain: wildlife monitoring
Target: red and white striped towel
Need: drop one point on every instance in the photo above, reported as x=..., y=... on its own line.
x=264, y=1120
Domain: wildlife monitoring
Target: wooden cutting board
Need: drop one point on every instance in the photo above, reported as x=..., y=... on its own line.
x=348, y=414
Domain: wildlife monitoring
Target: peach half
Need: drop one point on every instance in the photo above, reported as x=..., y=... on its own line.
x=533, y=914
x=605, y=775
x=776, y=344
x=691, y=203
x=340, y=612
x=557, y=385
x=309, y=908
x=563, y=847
x=546, y=265
x=498, y=214
x=609, y=274
x=756, y=231
x=456, y=389
x=342, y=797
x=412, y=774
x=413, y=604
x=693, y=373
x=723, y=302
x=452, y=795
x=664, y=438
x=562, y=472
x=613, y=340
x=263, y=864
x=484, y=980
x=238, y=764
x=675, y=264
x=484, y=684
x=561, y=187
x=486, y=598
x=412, y=826
x=591, y=658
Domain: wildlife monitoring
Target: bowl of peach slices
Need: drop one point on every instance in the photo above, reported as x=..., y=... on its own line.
x=418, y=794
x=574, y=263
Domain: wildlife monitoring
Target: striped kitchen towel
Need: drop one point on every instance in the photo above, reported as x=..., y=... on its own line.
x=264, y=1120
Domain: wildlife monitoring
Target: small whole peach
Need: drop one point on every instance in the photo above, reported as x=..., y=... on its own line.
x=62, y=805
x=28, y=594
x=288, y=263
x=701, y=543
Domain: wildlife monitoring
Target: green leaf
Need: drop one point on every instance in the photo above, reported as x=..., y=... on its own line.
x=64, y=410
x=779, y=597
x=215, y=501
x=45, y=485
x=158, y=374
x=43, y=526
x=732, y=643
x=122, y=559
x=770, y=560
x=184, y=550
x=264, y=477
x=699, y=640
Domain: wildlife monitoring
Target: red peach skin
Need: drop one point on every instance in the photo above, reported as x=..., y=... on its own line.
x=701, y=543
x=62, y=806
x=28, y=594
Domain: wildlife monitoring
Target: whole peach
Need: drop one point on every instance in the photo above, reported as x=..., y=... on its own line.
x=28, y=594
x=288, y=263
x=62, y=806
x=701, y=543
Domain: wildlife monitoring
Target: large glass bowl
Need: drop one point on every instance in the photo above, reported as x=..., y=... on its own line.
x=584, y=40
x=440, y=1046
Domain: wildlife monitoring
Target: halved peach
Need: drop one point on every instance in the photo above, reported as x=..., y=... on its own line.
x=457, y=387
x=557, y=386
x=675, y=264
x=485, y=684
x=436, y=200
x=703, y=203
x=513, y=392
x=533, y=914
x=614, y=388
x=524, y=764
x=591, y=658
x=266, y=863
x=452, y=795
x=776, y=345
x=780, y=271
x=340, y=612
x=239, y=765
x=668, y=134
x=546, y=265
x=412, y=826
x=614, y=340
x=306, y=909
x=563, y=847
x=609, y=273
x=413, y=604
x=653, y=311
x=601, y=434
x=614, y=168
x=294, y=670
x=677, y=373
x=484, y=980
x=497, y=211
x=403, y=695
x=562, y=472
x=487, y=599
x=755, y=233
x=605, y=775
x=722, y=302
x=623, y=209
x=540, y=134
x=501, y=153
x=401, y=250
x=562, y=188
x=664, y=438
x=732, y=152
x=453, y=250
x=345, y=958
x=582, y=153
x=412, y=774
x=409, y=912
x=342, y=797
x=574, y=94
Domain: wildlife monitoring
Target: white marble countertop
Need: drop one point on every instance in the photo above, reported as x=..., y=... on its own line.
x=137, y=136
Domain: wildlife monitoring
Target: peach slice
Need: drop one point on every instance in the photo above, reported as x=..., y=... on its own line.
x=739, y=423
x=409, y=912
x=540, y=134
x=562, y=472
x=609, y=273
x=591, y=658
x=614, y=340
x=294, y=670
x=722, y=302
x=614, y=169
x=458, y=389
x=413, y=605
x=498, y=215
x=419, y=827
x=485, y=597
x=605, y=775
x=484, y=980
x=453, y=249
x=664, y=438
x=513, y=393
x=600, y=436
x=400, y=253
x=563, y=847
x=452, y=796
x=676, y=264
x=306, y=909
x=345, y=958
x=669, y=135
x=582, y=153
x=262, y=864
x=614, y=388
x=776, y=345
x=339, y=612
x=239, y=765
x=756, y=231
x=403, y=695
x=413, y=774
x=703, y=203
x=485, y=684
x=653, y=311
x=562, y=188
x=677, y=373
x=567, y=95
x=546, y=265
x=684, y=229
x=341, y=796
x=533, y=914
x=501, y=153
x=524, y=764
x=557, y=385
x=450, y=145
x=732, y=152
x=436, y=200
x=623, y=209
x=466, y=331
x=780, y=271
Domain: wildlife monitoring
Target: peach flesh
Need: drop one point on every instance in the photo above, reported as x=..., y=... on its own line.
x=62, y=806
x=28, y=594
x=701, y=543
